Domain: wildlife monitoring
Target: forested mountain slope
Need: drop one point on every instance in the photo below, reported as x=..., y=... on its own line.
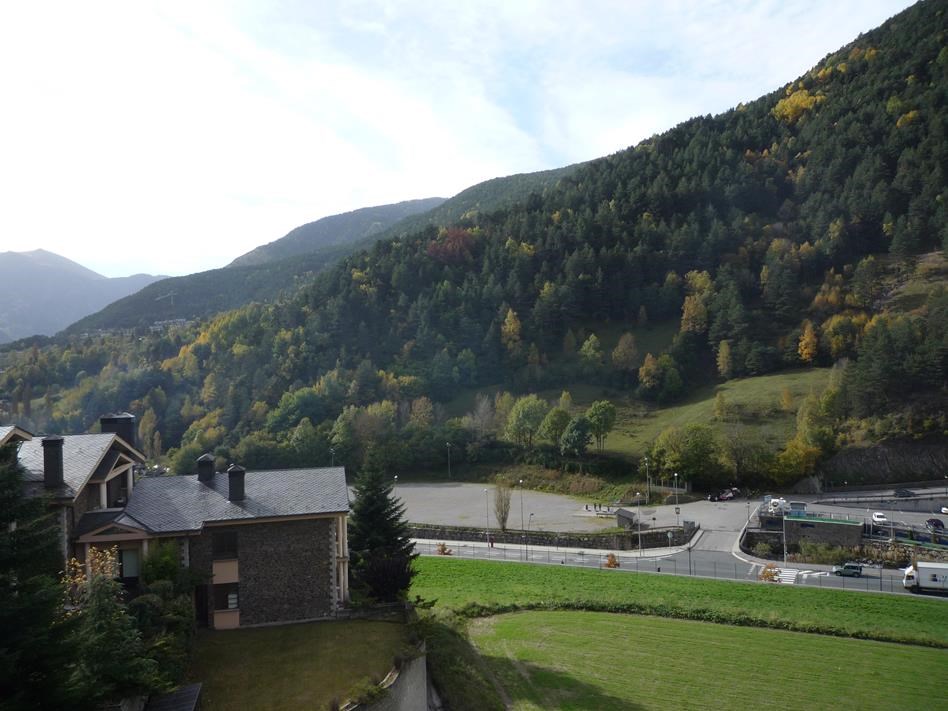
x=764, y=233
x=347, y=228
x=42, y=292
x=281, y=267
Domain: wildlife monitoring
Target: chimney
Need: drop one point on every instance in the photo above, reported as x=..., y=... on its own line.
x=120, y=423
x=235, y=482
x=53, y=462
x=205, y=465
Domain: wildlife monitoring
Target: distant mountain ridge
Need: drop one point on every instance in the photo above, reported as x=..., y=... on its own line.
x=42, y=292
x=346, y=228
x=282, y=266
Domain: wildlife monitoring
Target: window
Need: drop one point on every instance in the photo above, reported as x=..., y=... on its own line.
x=116, y=492
x=224, y=545
x=226, y=596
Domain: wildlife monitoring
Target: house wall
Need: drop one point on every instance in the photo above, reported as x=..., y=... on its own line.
x=285, y=569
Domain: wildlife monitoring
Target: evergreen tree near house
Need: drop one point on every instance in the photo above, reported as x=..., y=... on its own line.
x=111, y=659
x=35, y=655
x=380, y=545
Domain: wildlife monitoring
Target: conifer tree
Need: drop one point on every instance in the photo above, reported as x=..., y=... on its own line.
x=35, y=657
x=380, y=545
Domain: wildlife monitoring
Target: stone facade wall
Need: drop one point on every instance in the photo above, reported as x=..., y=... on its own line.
x=286, y=569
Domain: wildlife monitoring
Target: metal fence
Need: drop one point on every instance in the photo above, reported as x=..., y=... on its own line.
x=873, y=580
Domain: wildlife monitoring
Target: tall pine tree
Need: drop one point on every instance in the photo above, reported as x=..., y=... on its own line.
x=35, y=658
x=380, y=545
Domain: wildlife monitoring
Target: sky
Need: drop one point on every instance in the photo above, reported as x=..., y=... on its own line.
x=172, y=137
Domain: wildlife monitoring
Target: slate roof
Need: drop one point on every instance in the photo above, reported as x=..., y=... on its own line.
x=12, y=433
x=184, y=698
x=169, y=504
x=82, y=454
x=92, y=520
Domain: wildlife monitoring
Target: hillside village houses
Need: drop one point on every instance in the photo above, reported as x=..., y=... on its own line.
x=272, y=545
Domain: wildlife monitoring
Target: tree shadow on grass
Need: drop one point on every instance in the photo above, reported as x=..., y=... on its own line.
x=470, y=681
x=548, y=688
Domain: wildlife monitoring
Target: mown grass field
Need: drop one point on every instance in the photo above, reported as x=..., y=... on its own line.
x=498, y=586
x=292, y=666
x=590, y=660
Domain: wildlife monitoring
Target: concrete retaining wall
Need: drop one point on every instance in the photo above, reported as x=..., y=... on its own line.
x=624, y=541
x=405, y=689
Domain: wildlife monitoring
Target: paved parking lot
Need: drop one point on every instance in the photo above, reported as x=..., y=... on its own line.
x=459, y=504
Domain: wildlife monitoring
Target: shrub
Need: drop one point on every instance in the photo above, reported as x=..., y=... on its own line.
x=763, y=550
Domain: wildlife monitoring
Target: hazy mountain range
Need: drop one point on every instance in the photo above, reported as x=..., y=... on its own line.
x=42, y=292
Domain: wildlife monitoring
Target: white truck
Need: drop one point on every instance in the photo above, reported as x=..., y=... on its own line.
x=925, y=576
x=778, y=506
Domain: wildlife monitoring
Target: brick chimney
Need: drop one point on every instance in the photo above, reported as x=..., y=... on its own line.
x=235, y=482
x=120, y=423
x=53, y=461
x=205, y=465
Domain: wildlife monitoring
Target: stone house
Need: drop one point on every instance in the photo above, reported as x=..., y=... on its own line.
x=87, y=477
x=271, y=546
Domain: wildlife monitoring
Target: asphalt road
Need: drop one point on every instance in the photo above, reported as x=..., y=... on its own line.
x=714, y=554
x=703, y=563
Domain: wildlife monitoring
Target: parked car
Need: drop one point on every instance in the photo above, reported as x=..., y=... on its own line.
x=852, y=570
x=935, y=524
x=879, y=517
x=944, y=509
x=726, y=495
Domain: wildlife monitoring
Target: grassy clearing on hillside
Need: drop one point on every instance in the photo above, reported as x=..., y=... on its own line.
x=588, y=660
x=482, y=587
x=292, y=666
x=754, y=401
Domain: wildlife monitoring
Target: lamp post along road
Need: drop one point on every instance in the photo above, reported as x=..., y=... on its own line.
x=638, y=499
x=448, y=445
x=648, y=483
x=529, y=521
x=522, y=535
x=676, y=500
x=783, y=517
x=487, y=518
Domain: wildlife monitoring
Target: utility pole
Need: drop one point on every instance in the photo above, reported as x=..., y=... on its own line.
x=522, y=534
x=448, y=445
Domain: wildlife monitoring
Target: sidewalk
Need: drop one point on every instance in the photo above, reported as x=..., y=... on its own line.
x=591, y=552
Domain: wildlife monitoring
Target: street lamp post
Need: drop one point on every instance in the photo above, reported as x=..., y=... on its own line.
x=676, y=499
x=522, y=536
x=395, y=486
x=638, y=498
x=332, y=457
x=529, y=521
x=486, y=517
x=448, y=445
x=783, y=517
x=648, y=483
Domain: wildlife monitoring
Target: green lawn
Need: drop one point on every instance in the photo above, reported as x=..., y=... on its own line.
x=589, y=660
x=501, y=587
x=292, y=666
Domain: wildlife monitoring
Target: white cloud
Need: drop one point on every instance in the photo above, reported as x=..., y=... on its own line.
x=173, y=137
